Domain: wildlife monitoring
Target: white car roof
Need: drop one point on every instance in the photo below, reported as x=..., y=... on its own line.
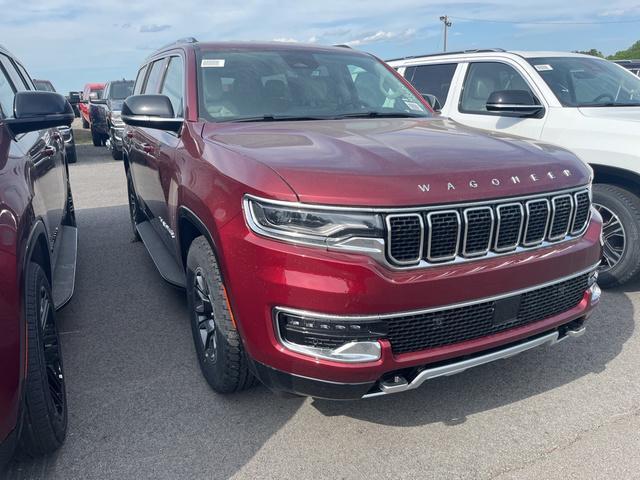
x=496, y=52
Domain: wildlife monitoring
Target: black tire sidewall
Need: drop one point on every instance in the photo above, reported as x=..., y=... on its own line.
x=134, y=207
x=44, y=430
x=221, y=374
x=627, y=207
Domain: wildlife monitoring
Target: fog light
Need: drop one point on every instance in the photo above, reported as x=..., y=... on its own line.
x=330, y=338
x=595, y=292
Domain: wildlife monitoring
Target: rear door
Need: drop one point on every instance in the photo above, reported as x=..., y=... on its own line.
x=433, y=79
x=480, y=80
x=45, y=152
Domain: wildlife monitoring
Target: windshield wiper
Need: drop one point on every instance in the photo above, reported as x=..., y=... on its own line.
x=273, y=118
x=374, y=114
x=611, y=104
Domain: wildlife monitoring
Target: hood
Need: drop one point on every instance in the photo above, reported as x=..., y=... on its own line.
x=115, y=105
x=626, y=114
x=399, y=162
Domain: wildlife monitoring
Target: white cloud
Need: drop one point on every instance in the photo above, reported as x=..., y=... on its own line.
x=285, y=40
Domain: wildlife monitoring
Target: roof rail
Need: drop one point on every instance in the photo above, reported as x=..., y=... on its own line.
x=179, y=42
x=473, y=50
x=343, y=45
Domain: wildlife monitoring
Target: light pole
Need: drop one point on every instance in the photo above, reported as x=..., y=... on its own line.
x=447, y=23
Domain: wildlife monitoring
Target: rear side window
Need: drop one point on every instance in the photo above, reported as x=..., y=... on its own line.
x=173, y=86
x=6, y=95
x=432, y=79
x=484, y=78
x=140, y=81
x=155, y=75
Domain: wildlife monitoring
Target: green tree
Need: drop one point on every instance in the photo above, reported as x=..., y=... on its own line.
x=593, y=52
x=632, y=52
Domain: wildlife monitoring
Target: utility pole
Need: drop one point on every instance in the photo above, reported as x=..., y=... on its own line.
x=447, y=23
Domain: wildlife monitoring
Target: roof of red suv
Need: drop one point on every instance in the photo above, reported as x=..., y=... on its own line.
x=242, y=45
x=94, y=86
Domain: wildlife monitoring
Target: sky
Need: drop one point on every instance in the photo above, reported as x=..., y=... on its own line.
x=73, y=42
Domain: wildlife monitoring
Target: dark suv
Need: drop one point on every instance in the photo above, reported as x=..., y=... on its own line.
x=335, y=239
x=106, y=124
x=38, y=239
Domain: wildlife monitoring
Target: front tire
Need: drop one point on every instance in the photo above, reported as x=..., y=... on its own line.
x=620, y=210
x=72, y=156
x=45, y=413
x=96, y=138
x=219, y=348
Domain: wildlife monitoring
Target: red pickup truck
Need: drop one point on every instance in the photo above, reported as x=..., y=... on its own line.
x=91, y=91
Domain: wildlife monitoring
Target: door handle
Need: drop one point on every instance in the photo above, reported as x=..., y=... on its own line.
x=146, y=148
x=49, y=151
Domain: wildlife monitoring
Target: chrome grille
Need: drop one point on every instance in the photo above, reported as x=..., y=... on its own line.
x=437, y=235
x=443, y=235
x=406, y=236
x=562, y=208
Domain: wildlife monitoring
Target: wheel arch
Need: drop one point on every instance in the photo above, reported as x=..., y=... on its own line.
x=190, y=227
x=627, y=179
x=38, y=250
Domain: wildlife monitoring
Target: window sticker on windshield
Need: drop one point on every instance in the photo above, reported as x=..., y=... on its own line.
x=212, y=63
x=413, y=106
x=543, y=68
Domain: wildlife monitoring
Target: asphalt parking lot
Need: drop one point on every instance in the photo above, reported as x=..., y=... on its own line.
x=139, y=407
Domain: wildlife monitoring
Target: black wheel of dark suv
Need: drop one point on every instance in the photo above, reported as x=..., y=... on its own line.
x=134, y=209
x=620, y=211
x=218, y=344
x=45, y=414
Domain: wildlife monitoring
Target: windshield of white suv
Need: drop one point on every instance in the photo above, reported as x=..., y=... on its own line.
x=280, y=84
x=588, y=82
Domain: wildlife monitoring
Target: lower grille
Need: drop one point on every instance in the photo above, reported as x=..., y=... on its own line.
x=445, y=327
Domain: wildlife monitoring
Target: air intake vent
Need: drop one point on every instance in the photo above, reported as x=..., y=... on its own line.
x=406, y=237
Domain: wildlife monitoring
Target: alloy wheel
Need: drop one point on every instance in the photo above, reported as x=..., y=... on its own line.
x=204, y=315
x=52, y=355
x=613, y=237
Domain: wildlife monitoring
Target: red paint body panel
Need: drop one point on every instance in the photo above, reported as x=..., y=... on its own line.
x=84, y=107
x=358, y=162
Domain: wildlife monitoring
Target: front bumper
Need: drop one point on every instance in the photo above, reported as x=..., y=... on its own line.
x=270, y=274
x=116, y=136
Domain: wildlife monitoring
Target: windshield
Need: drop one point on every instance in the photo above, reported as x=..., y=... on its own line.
x=241, y=85
x=44, y=86
x=588, y=82
x=120, y=90
x=96, y=94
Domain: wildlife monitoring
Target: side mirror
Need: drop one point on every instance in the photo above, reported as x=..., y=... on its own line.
x=150, y=111
x=514, y=103
x=35, y=110
x=433, y=101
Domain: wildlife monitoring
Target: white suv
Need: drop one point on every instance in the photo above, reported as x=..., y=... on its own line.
x=585, y=104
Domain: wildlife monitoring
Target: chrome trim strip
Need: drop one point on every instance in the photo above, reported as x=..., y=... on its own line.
x=455, y=254
x=361, y=318
x=526, y=228
x=388, y=219
x=553, y=217
x=465, y=214
x=460, y=366
x=416, y=208
x=508, y=248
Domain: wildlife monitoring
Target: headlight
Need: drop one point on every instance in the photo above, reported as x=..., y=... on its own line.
x=309, y=225
x=116, y=116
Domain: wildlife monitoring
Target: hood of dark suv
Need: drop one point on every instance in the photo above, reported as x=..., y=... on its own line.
x=399, y=162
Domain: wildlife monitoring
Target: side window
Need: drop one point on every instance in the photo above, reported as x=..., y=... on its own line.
x=155, y=75
x=483, y=79
x=27, y=78
x=15, y=77
x=140, y=80
x=173, y=86
x=432, y=79
x=6, y=95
